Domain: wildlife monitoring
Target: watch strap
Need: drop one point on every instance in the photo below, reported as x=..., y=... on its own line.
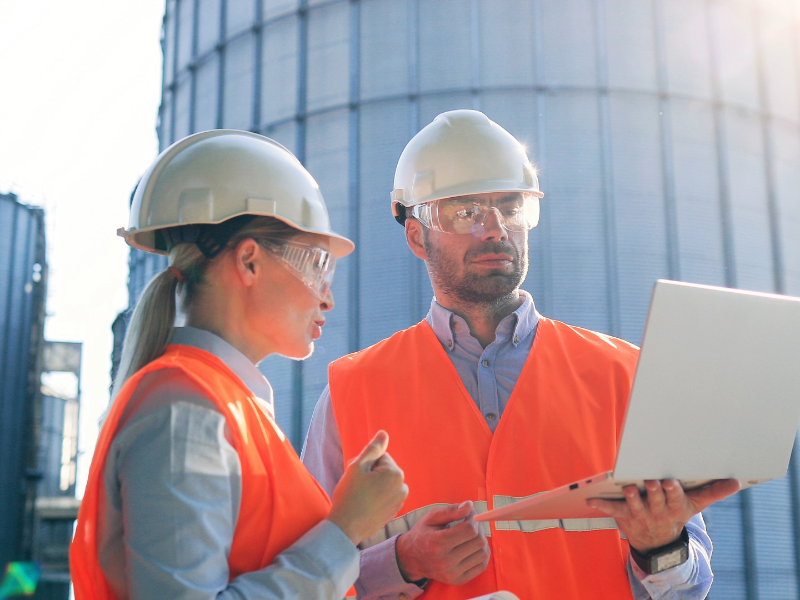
x=664, y=557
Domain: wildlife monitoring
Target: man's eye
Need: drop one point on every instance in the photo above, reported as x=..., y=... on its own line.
x=463, y=214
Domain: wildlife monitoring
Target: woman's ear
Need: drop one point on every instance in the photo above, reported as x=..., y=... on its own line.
x=248, y=261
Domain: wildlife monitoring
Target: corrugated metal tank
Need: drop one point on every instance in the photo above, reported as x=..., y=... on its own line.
x=57, y=465
x=57, y=443
x=59, y=416
x=666, y=132
x=60, y=409
x=22, y=296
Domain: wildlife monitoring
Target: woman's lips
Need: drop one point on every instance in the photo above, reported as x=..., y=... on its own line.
x=316, y=330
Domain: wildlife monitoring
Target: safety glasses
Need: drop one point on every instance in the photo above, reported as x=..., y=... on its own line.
x=468, y=214
x=311, y=265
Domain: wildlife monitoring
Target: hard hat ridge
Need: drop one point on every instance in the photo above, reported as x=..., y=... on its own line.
x=461, y=152
x=464, y=118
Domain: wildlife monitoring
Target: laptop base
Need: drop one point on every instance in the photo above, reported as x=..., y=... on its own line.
x=570, y=501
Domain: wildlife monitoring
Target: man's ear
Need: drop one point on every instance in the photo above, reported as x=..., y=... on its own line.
x=414, y=238
x=247, y=259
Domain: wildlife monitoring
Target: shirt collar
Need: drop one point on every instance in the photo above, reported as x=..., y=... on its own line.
x=522, y=322
x=235, y=360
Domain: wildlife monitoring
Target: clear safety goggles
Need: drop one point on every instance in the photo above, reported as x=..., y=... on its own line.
x=466, y=214
x=311, y=265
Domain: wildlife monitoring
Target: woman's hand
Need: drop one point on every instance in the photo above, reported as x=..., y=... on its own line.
x=370, y=493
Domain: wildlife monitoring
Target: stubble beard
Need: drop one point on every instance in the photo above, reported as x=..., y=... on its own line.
x=470, y=288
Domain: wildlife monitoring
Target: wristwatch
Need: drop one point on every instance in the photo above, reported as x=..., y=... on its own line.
x=664, y=557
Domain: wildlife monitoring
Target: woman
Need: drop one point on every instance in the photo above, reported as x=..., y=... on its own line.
x=194, y=492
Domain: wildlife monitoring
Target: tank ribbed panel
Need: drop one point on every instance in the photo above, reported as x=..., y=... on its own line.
x=23, y=276
x=666, y=133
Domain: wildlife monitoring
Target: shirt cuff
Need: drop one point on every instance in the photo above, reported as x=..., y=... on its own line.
x=380, y=574
x=332, y=551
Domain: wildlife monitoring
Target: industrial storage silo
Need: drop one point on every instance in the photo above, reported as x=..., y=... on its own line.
x=56, y=505
x=22, y=302
x=666, y=132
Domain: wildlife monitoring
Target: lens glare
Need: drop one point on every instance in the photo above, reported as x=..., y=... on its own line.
x=515, y=212
x=313, y=266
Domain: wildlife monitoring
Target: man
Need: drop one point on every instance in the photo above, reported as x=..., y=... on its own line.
x=486, y=402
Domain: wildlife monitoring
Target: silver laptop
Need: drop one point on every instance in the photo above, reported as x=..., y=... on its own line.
x=716, y=396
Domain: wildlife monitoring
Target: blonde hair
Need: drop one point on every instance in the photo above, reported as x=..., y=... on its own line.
x=152, y=323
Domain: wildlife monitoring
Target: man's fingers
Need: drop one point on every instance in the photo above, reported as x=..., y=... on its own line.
x=656, y=498
x=471, y=560
x=714, y=492
x=461, y=534
x=634, y=500
x=458, y=552
x=447, y=514
x=474, y=571
x=373, y=451
x=475, y=554
x=674, y=493
x=613, y=508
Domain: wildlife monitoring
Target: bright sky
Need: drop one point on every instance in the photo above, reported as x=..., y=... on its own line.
x=80, y=94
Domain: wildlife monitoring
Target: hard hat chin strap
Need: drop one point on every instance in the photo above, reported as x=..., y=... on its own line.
x=211, y=238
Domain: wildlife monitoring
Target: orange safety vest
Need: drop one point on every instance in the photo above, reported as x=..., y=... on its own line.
x=280, y=500
x=563, y=422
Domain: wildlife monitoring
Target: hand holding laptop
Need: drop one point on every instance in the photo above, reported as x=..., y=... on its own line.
x=658, y=518
x=716, y=399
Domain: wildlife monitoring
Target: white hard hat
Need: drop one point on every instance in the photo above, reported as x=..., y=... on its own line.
x=502, y=595
x=213, y=176
x=462, y=152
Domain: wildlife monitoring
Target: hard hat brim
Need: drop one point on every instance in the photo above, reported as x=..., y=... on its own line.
x=145, y=239
x=467, y=189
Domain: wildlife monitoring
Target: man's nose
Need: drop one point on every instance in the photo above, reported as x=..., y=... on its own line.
x=493, y=226
x=327, y=301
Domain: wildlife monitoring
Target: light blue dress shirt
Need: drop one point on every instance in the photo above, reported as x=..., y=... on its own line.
x=170, y=500
x=489, y=375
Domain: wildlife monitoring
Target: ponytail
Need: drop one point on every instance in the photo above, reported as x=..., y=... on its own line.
x=153, y=321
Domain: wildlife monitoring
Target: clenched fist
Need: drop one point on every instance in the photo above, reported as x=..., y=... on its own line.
x=370, y=493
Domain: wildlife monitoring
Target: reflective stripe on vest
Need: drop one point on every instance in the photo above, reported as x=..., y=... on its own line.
x=532, y=526
x=404, y=523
